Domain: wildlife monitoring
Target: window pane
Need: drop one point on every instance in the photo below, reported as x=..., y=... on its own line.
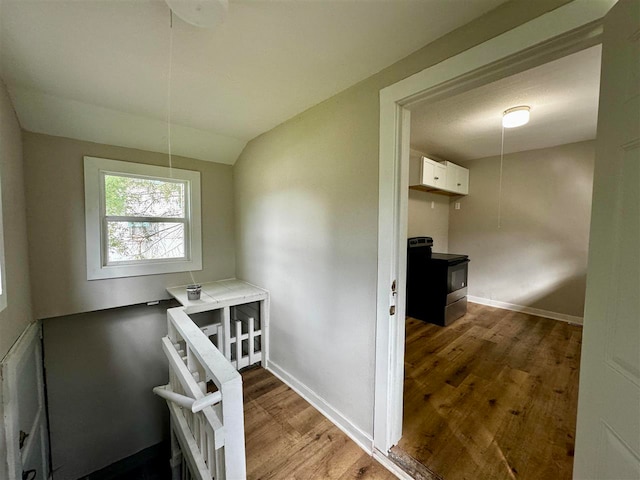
x=143, y=197
x=127, y=241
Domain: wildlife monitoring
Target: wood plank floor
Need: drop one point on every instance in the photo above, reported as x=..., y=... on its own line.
x=492, y=396
x=286, y=438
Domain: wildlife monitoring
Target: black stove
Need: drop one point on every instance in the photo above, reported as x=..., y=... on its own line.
x=436, y=283
x=450, y=258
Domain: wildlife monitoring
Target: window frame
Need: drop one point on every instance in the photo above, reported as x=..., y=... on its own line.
x=96, y=220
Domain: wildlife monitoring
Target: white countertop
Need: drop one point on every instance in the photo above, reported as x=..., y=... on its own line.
x=220, y=294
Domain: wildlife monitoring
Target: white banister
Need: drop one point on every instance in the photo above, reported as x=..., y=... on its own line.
x=187, y=402
x=208, y=428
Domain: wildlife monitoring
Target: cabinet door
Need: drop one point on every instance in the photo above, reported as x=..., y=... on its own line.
x=452, y=176
x=457, y=179
x=439, y=176
x=462, y=180
x=433, y=173
x=428, y=172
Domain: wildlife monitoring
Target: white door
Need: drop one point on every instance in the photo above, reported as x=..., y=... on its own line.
x=23, y=409
x=608, y=430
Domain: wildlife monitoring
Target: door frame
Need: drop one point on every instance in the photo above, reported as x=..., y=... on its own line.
x=568, y=29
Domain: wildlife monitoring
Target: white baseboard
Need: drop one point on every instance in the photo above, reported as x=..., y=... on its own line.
x=529, y=310
x=363, y=440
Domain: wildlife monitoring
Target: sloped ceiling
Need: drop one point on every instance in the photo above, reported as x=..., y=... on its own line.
x=563, y=96
x=99, y=70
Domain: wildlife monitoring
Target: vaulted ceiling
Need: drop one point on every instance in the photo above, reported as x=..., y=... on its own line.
x=99, y=70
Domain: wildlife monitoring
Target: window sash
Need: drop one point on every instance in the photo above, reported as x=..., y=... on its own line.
x=105, y=219
x=96, y=220
x=105, y=240
x=103, y=193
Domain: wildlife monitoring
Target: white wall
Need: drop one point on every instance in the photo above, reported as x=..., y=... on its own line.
x=538, y=256
x=306, y=196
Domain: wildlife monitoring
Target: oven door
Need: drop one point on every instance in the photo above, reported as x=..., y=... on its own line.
x=457, y=281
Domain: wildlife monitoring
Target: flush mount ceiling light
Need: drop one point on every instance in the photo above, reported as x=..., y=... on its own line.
x=200, y=13
x=516, y=117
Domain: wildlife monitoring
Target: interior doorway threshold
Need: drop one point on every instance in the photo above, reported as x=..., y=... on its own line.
x=413, y=467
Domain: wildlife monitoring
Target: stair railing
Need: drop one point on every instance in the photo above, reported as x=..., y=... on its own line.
x=204, y=395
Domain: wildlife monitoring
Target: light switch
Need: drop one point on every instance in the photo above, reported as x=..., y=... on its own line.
x=433, y=204
x=457, y=205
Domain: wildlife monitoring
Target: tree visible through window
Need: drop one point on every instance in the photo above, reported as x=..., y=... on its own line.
x=140, y=219
x=145, y=218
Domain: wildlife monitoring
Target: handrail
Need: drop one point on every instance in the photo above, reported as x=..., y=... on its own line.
x=192, y=404
x=205, y=420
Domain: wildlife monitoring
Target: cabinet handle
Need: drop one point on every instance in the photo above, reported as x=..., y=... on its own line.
x=436, y=178
x=459, y=184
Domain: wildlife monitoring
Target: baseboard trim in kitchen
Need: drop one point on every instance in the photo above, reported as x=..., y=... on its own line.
x=363, y=440
x=529, y=310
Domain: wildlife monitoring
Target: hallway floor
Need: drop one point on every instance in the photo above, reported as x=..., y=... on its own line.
x=492, y=396
x=286, y=438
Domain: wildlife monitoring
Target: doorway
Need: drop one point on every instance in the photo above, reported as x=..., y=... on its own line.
x=505, y=373
x=532, y=44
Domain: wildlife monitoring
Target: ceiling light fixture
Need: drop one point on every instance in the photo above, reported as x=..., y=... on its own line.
x=200, y=13
x=516, y=116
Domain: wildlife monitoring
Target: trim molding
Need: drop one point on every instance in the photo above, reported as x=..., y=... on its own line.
x=363, y=440
x=563, y=317
x=540, y=40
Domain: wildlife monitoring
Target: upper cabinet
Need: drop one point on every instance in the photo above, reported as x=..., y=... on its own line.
x=433, y=174
x=457, y=178
x=438, y=177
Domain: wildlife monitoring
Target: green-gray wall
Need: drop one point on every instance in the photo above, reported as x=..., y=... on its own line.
x=17, y=314
x=55, y=209
x=306, y=198
x=15, y=318
x=102, y=362
x=100, y=369
x=537, y=257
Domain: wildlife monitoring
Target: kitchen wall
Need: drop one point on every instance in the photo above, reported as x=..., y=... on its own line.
x=428, y=213
x=101, y=362
x=15, y=318
x=55, y=209
x=537, y=257
x=306, y=198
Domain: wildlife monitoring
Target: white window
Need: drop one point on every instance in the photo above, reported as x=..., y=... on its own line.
x=140, y=219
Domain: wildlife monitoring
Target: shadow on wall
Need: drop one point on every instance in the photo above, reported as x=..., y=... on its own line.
x=100, y=369
x=537, y=255
x=555, y=297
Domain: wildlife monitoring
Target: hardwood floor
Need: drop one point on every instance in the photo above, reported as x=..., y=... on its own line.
x=286, y=438
x=492, y=396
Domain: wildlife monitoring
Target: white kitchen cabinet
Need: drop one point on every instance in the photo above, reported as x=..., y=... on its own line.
x=457, y=179
x=434, y=174
x=438, y=177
